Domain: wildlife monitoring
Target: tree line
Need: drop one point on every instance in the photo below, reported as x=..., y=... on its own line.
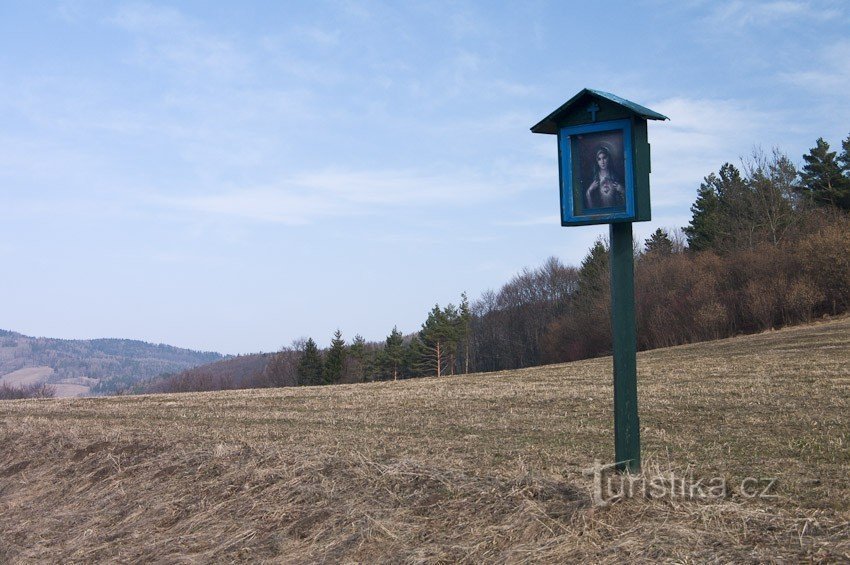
x=38, y=390
x=441, y=347
x=767, y=245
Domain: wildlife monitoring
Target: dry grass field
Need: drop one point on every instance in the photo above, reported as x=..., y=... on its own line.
x=481, y=468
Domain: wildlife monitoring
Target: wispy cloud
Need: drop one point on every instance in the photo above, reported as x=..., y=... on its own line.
x=316, y=35
x=701, y=135
x=69, y=10
x=280, y=58
x=141, y=17
x=743, y=13
x=829, y=75
x=169, y=40
x=708, y=125
x=305, y=198
x=545, y=220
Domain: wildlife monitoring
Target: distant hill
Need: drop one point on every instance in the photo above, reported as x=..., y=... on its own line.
x=98, y=366
x=242, y=371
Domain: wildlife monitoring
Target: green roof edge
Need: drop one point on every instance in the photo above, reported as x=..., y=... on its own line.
x=547, y=124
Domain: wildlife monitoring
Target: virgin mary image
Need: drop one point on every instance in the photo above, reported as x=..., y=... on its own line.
x=607, y=189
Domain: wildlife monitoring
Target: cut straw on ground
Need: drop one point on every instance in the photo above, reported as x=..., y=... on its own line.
x=478, y=468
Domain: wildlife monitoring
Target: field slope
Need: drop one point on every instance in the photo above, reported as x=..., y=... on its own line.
x=466, y=469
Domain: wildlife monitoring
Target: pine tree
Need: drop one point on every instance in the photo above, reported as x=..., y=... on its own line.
x=438, y=338
x=702, y=233
x=736, y=214
x=334, y=359
x=357, y=355
x=310, y=365
x=821, y=178
x=465, y=330
x=844, y=158
x=659, y=244
x=730, y=184
x=586, y=327
x=391, y=358
x=357, y=348
x=593, y=275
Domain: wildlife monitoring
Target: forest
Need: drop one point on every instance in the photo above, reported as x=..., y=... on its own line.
x=114, y=364
x=767, y=245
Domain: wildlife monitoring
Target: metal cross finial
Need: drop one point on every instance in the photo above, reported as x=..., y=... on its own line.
x=592, y=109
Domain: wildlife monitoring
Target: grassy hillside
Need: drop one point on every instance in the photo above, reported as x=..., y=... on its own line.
x=480, y=468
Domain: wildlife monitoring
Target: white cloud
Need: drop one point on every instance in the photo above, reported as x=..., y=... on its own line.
x=168, y=40
x=827, y=73
x=261, y=204
x=69, y=10
x=463, y=23
x=304, y=198
x=315, y=35
x=545, y=220
x=141, y=17
x=701, y=135
x=743, y=13
x=706, y=125
x=280, y=59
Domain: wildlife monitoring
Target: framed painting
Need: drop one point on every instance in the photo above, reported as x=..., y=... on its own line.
x=597, y=173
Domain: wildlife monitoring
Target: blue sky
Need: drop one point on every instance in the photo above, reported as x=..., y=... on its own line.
x=231, y=176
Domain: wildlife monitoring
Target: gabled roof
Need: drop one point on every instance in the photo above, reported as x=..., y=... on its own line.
x=548, y=124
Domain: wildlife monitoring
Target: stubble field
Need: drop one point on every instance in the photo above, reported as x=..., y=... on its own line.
x=479, y=468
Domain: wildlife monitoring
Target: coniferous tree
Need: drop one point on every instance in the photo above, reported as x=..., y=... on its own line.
x=454, y=328
x=735, y=210
x=844, y=158
x=703, y=230
x=358, y=347
x=844, y=161
x=334, y=359
x=465, y=329
x=357, y=356
x=418, y=357
x=822, y=180
x=659, y=244
x=438, y=339
x=593, y=275
x=310, y=365
x=392, y=357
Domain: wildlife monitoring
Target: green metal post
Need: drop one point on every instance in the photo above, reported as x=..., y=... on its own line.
x=623, y=328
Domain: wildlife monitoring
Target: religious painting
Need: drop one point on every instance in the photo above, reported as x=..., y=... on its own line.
x=602, y=171
x=597, y=178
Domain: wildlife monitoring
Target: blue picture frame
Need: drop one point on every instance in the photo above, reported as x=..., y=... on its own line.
x=584, y=201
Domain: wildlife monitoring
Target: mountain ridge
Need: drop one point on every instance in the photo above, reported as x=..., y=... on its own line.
x=112, y=364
